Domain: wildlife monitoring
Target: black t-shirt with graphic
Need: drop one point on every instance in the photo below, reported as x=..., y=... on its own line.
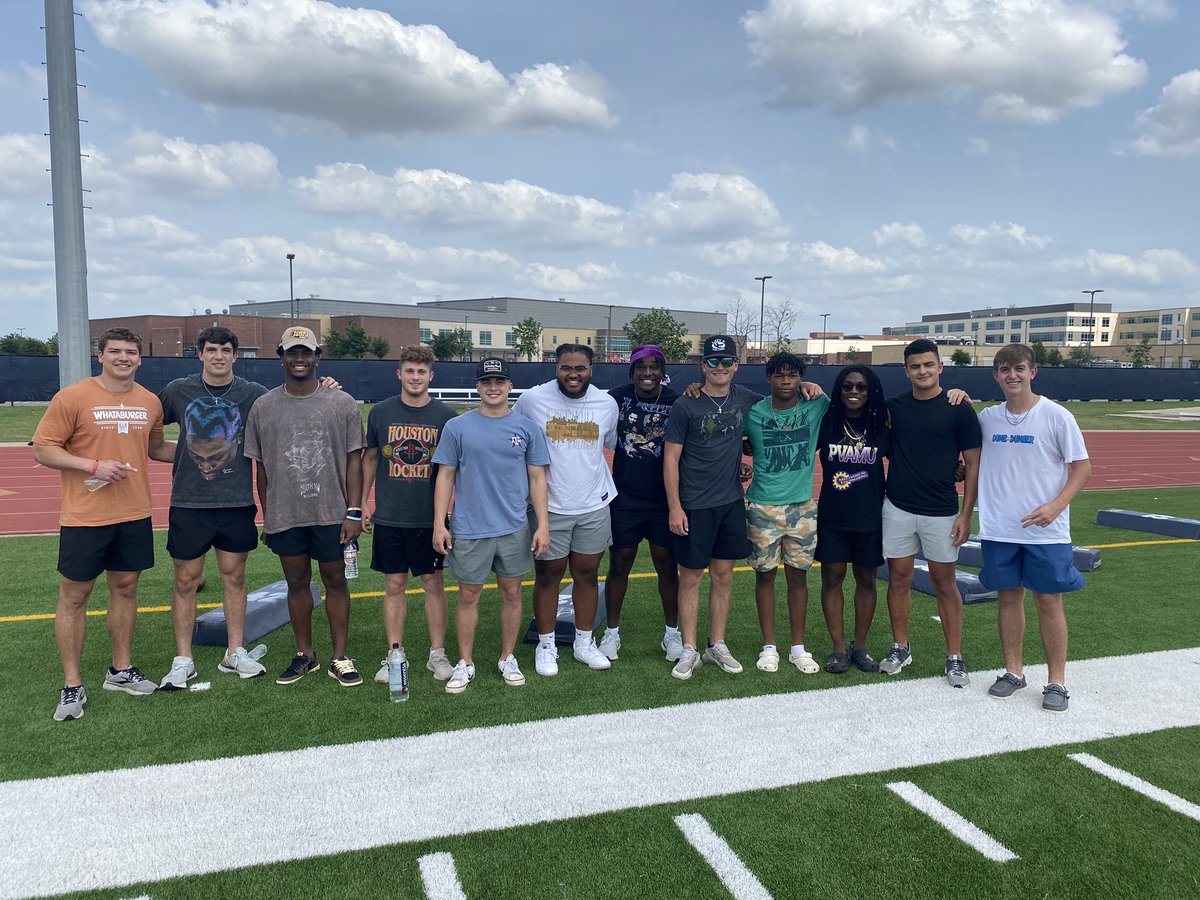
x=405, y=473
x=641, y=427
x=852, y=479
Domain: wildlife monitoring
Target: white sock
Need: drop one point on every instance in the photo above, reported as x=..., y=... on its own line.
x=546, y=640
x=614, y=630
x=670, y=630
x=797, y=649
x=582, y=638
x=434, y=650
x=770, y=647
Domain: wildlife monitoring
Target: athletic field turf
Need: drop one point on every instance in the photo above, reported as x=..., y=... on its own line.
x=624, y=783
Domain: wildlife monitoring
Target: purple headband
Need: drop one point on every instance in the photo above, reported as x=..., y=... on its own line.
x=647, y=351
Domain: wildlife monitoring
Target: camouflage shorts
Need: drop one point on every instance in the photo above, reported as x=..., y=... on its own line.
x=782, y=533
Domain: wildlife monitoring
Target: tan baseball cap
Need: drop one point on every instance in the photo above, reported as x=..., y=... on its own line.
x=299, y=336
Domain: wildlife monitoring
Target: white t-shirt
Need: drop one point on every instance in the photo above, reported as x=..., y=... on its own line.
x=1023, y=465
x=577, y=433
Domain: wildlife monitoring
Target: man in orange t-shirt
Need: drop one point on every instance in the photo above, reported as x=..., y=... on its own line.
x=99, y=433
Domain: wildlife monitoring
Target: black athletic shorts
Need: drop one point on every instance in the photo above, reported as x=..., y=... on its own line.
x=634, y=521
x=190, y=532
x=395, y=550
x=837, y=545
x=319, y=542
x=717, y=533
x=84, y=551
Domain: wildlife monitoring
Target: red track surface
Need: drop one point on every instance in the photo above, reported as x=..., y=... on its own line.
x=29, y=493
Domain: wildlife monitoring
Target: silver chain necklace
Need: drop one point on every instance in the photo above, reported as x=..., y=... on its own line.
x=1016, y=419
x=208, y=390
x=720, y=406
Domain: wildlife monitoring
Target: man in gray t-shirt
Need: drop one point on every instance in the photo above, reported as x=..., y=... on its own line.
x=307, y=441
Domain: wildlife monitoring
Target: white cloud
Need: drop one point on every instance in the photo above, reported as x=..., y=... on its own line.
x=858, y=140
x=900, y=233
x=999, y=234
x=1021, y=61
x=23, y=158
x=977, y=146
x=1171, y=128
x=357, y=68
x=1153, y=266
x=744, y=251
x=706, y=205
x=446, y=200
x=841, y=259
x=200, y=170
x=144, y=231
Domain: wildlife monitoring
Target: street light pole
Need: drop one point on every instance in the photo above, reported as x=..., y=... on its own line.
x=467, y=335
x=1092, y=316
x=608, y=334
x=291, y=288
x=824, y=329
x=762, y=303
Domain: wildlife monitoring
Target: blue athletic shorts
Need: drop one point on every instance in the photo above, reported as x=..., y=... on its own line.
x=1044, y=568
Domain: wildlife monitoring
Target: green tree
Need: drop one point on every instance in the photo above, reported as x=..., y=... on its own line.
x=15, y=344
x=1039, y=353
x=379, y=347
x=52, y=344
x=1079, y=356
x=528, y=334
x=658, y=326
x=852, y=354
x=450, y=345
x=960, y=357
x=354, y=344
x=1054, y=357
x=781, y=344
x=1139, y=353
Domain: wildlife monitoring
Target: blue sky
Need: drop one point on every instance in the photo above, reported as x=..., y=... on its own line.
x=880, y=159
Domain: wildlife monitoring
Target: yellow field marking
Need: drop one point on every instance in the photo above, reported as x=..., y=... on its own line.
x=453, y=588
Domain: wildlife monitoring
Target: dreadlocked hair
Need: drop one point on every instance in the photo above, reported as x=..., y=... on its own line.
x=875, y=413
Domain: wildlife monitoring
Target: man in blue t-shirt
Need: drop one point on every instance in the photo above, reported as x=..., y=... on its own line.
x=492, y=463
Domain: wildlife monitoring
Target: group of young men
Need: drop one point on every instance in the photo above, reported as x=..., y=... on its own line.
x=504, y=490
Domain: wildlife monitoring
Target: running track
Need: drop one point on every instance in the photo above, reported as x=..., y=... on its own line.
x=29, y=493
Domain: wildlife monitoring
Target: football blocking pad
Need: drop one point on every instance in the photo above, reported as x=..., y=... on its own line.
x=969, y=586
x=1171, y=526
x=971, y=554
x=266, y=610
x=564, y=618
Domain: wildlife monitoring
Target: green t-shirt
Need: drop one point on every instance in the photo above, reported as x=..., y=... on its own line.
x=785, y=444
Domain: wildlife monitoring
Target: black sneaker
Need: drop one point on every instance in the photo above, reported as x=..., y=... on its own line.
x=343, y=671
x=300, y=666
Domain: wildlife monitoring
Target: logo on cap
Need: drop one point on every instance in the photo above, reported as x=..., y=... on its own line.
x=718, y=343
x=493, y=365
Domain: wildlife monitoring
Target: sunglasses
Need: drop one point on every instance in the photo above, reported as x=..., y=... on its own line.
x=726, y=361
x=848, y=388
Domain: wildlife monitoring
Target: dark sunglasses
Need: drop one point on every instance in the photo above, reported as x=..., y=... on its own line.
x=848, y=388
x=726, y=361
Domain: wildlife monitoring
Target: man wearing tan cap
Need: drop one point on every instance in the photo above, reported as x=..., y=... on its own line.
x=307, y=441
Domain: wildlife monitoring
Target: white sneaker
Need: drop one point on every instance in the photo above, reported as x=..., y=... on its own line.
x=381, y=677
x=545, y=659
x=804, y=662
x=689, y=661
x=439, y=664
x=463, y=676
x=182, y=671
x=589, y=654
x=673, y=646
x=718, y=654
x=511, y=672
x=610, y=644
x=768, y=661
x=241, y=663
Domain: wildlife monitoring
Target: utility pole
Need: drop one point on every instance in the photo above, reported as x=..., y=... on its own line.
x=824, y=331
x=762, y=303
x=292, y=310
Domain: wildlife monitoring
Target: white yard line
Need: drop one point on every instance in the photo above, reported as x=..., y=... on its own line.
x=738, y=880
x=1145, y=788
x=966, y=831
x=440, y=877
x=437, y=785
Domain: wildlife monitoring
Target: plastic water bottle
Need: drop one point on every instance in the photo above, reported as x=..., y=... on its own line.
x=397, y=664
x=350, y=555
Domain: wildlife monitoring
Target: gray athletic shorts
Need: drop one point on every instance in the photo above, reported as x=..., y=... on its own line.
x=509, y=556
x=905, y=533
x=589, y=532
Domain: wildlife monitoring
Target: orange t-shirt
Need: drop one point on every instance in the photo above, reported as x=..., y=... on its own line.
x=85, y=420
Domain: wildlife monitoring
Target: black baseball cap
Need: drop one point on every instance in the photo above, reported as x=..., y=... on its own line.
x=719, y=345
x=492, y=367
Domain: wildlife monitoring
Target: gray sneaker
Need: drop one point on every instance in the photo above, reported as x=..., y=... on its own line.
x=898, y=657
x=70, y=703
x=1006, y=685
x=241, y=663
x=956, y=672
x=439, y=664
x=718, y=654
x=1054, y=698
x=689, y=661
x=130, y=680
x=673, y=646
x=182, y=671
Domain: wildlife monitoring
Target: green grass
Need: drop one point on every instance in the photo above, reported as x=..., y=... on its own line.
x=1076, y=834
